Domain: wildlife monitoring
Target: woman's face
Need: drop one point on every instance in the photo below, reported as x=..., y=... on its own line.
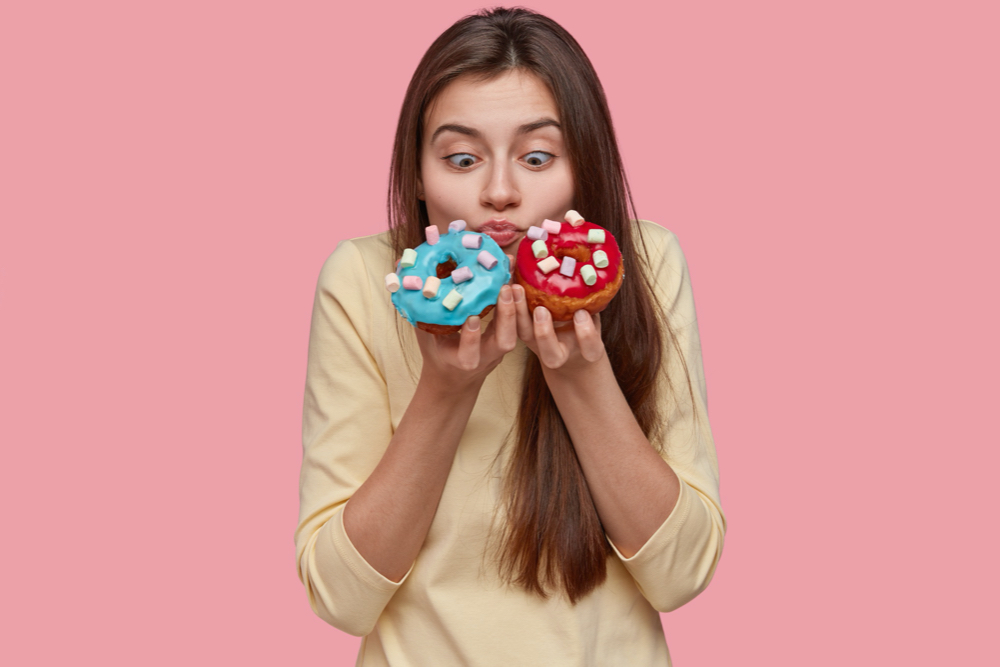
x=493, y=155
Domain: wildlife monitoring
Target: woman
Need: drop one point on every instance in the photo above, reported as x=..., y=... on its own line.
x=519, y=493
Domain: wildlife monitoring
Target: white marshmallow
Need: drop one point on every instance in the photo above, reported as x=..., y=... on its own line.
x=548, y=265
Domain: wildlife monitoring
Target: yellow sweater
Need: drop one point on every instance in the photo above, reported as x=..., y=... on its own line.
x=451, y=608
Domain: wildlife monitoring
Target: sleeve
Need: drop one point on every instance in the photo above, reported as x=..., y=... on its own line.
x=346, y=427
x=678, y=561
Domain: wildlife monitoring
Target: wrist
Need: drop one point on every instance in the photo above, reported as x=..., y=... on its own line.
x=581, y=374
x=445, y=388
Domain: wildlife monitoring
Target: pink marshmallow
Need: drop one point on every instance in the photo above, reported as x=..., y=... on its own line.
x=433, y=235
x=551, y=226
x=412, y=282
x=456, y=226
x=472, y=241
x=486, y=259
x=461, y=274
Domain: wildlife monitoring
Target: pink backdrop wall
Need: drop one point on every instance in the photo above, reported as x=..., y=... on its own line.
x=174, y=175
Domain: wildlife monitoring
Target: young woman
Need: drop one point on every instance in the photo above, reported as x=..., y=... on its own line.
x=523, y=492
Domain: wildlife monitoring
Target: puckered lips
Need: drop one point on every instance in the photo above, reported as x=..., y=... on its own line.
x=501, y=231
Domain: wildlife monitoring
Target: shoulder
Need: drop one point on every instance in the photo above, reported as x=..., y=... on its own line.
x=660, y=246
x=653, y=231
x=374, y=249
x=362, y=254
x=350, y=283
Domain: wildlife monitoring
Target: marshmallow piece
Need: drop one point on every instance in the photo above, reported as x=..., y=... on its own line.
x=574, y=218
x=588, y=274
x=539, y=250
x=412, y=282
x=568, y=264
x=433, y=234
x=551, y=226
x=431, y=286
x=392, y=282
x=600, y=259
x=537, y=233
x=595, y=236
x=548, y=265
x=452, y=299
x=409, y=258
x=461, y=274
x=486, y=259
x=472, y=241
x=456, y=226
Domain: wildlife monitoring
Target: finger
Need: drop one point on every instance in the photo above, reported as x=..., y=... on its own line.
x=468, y=346
x=587, y=336
x=550, y=350
x=525, y=328
x=504, y=325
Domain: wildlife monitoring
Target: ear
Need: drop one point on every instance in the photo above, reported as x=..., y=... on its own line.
x=420, y=189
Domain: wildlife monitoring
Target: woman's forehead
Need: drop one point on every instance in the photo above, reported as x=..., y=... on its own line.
x=499, y=106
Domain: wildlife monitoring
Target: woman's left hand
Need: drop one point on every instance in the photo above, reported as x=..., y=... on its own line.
x=563, y=346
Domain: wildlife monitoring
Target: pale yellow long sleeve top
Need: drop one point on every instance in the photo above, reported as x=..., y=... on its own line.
x=451, y=608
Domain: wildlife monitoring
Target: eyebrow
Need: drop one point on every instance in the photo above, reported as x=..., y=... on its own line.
x=472, y=132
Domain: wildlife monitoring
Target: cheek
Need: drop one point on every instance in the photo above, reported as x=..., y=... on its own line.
x=443, y=192
x=560, y=186
x=447, y=199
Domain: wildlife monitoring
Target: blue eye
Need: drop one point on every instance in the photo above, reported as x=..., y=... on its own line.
x=464, y=161
x=538, y=158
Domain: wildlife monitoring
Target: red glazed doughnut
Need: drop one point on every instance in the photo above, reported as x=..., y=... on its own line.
x=564, y=295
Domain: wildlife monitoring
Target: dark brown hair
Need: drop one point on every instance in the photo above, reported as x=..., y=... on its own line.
x=553, y=537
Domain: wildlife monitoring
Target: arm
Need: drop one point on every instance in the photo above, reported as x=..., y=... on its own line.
x=388, y=518
x=368, y=495
x=661, y=515
x=633, y=488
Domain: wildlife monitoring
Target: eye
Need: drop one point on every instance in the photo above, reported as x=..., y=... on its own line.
x=538, y=158
x=461, y=160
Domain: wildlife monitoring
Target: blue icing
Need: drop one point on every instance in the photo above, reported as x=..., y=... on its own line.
x=483, y=290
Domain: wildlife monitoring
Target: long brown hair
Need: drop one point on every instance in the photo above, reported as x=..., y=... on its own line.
x=553, y=537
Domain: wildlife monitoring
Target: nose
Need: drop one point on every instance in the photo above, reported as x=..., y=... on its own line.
x=500, y=190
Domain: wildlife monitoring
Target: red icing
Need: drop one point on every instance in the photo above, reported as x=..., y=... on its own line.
x=568, y=237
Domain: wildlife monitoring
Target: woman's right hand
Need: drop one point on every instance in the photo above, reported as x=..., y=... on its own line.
x=459, y=361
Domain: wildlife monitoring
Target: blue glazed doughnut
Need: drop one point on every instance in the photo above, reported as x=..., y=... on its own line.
x=481, y=291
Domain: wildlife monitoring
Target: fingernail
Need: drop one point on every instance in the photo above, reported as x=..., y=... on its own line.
x=518, y=293
x=505, y=296
x=580, y=316
x=541, y=314
x=473, y=323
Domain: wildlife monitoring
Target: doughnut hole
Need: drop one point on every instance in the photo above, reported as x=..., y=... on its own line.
x=581, y=253
x=444, y=269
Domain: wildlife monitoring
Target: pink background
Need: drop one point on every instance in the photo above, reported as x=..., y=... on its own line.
x=173, y=176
